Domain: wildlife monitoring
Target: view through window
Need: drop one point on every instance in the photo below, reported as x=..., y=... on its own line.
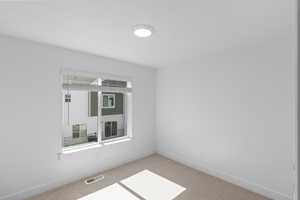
x=95, y=110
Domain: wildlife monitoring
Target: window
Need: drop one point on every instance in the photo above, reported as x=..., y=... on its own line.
x=79, y=130
x=96, y=109
x=108, y=100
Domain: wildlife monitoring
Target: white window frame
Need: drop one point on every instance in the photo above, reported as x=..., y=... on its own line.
x=128, y=93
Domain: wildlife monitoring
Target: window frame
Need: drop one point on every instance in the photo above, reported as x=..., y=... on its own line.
x=128, y=110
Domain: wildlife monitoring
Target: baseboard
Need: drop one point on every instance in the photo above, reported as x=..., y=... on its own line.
x=259, y=189
x=29, y=192
x=35, y=190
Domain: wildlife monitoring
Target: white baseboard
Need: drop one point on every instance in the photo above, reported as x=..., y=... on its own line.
x=29, y=192
x=35, y=190
x=259, y=189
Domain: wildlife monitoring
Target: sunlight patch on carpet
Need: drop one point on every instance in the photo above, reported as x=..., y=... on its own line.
x=151, y=186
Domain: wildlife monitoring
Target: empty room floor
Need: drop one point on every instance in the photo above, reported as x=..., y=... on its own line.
x=199, y=186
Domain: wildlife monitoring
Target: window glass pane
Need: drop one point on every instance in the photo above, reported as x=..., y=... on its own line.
x=80, y=113
x=108, y=100
x=113, y=111
x=105, y=101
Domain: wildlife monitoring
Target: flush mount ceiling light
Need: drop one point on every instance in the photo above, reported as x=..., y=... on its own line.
x=142, y=31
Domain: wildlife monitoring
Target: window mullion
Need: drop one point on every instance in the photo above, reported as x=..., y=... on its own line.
x=100, y=120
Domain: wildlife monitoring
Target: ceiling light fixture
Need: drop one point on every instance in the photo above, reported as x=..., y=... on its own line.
x=142, y=31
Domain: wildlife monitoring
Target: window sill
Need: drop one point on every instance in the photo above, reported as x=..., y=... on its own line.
x=80, y=148
x=71, y=150
x=116, y=140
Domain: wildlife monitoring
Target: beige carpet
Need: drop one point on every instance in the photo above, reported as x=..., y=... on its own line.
x=199, y=186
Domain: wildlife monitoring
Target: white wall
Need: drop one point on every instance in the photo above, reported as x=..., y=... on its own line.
x=233, y=115
x=31, y=110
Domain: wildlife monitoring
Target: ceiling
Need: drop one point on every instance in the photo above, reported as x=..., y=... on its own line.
x=184, y=29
